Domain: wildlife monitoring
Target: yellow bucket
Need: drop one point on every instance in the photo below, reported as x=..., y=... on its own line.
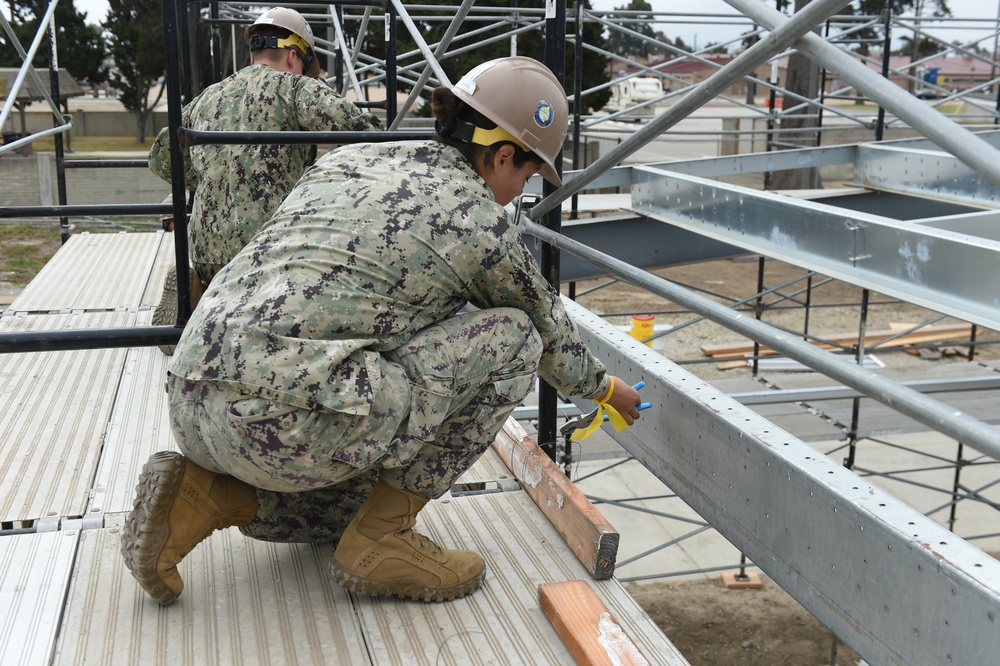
x=642, y=328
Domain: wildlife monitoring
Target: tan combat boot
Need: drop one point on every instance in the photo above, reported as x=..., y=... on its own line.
x=165, y=313
x=177, y=505
x=380, y=554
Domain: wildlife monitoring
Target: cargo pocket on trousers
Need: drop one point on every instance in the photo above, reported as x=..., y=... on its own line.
x=428, y=410
x=255, y=411
x=514, y=389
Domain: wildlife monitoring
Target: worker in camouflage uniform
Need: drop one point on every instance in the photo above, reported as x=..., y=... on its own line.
x=328, y=386
x=237, y=187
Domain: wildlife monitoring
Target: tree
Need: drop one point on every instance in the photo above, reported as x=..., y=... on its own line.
x=802, y=79
x=876, y=7
x=80, y=47
x=631, y=46
x=137, y=46
x=927, y=46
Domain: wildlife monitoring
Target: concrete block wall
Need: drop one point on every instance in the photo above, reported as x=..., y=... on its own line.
x=96, y=123
x=30, y=180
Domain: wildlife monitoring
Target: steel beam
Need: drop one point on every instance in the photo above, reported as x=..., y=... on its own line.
x=637, y=240
x=894, y=585
x=928, y=173
x=933, y=268
x=969, y=148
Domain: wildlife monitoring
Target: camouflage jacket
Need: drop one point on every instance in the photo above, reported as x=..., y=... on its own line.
x=237, y=187
x=375, y=243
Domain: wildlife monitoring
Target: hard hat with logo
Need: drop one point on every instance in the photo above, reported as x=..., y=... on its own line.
x=527, y=103
x=301, y=38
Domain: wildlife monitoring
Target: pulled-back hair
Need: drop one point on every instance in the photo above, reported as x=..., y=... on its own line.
x=448, y=109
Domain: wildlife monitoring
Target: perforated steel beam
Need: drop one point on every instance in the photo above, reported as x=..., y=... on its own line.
x=938, y=269
x=891, y=583
x=923, y=169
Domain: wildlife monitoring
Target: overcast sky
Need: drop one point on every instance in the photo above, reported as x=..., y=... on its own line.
x=700, y=34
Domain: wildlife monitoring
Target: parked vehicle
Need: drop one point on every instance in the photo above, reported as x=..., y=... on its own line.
x=635, y=90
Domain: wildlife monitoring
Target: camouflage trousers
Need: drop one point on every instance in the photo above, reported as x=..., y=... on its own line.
x=206, y=272
x=444, y=396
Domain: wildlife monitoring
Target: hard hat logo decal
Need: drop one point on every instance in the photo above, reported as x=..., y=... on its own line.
x=544, y=114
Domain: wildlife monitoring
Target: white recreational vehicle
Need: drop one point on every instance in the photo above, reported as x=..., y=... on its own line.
x=635, y=90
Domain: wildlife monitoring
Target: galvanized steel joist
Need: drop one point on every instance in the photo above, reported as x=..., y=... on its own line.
x=938, y=269
x=891, y=583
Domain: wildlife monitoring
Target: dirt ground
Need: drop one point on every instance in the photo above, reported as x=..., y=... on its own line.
x=714, y=626
x=709, y=624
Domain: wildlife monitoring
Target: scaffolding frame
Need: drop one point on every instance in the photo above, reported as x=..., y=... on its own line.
x=947, y=565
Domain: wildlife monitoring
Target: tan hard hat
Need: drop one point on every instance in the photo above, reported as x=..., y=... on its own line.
x=524, y=98
x=289, y=19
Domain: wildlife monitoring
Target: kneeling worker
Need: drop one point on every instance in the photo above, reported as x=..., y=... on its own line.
x=327, y=387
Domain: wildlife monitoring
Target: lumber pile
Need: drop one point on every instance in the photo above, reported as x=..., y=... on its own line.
x=727, y=352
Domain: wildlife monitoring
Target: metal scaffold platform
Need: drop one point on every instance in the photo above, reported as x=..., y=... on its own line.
x=78, y=427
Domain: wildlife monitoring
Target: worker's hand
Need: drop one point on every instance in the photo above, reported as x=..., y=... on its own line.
x=624, y=399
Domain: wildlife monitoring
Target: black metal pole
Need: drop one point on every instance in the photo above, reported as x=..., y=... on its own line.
x=391, y=103
x=555, y=59
x=338, y=57
x=57, y=121
x=758, y=311
x=577, y=101
x=186, y=52
x=216, y=45
x=176, y=162
x=856, y=402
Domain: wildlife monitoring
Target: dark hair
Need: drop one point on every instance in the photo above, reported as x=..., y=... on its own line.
x=448, y=110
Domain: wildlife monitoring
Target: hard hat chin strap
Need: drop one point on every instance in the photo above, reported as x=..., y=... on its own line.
x=468, y=132
x=259, y=42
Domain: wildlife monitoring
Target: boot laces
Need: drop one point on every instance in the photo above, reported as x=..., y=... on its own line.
x=420, y=541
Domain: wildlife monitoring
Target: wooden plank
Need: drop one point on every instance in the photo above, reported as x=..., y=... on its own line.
x=587, y=533
x=926, y=334
x=581, y=619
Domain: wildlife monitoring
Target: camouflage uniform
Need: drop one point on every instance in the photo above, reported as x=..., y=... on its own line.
x=329, y=352
x=237, y=187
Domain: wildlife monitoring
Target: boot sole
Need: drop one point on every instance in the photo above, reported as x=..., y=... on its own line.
x=146, y=527
x=404, y=588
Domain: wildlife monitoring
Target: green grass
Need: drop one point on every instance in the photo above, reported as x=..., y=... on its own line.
x=25, y=249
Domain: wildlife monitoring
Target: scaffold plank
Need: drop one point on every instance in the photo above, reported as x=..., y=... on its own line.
x=139, y=426
x=245, y=602
x=93, y=272
x=34, y=574
x=253, y=602
x=54, y=410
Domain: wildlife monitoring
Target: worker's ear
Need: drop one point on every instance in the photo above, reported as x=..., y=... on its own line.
x=503, y=157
